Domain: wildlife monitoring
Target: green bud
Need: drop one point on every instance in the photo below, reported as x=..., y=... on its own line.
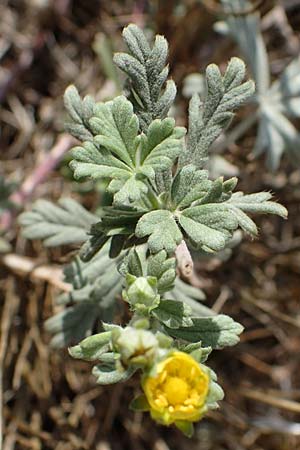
x=136, y=347
x=92, y=347
x=164, y=340
x=141, y=323
x=141, y=293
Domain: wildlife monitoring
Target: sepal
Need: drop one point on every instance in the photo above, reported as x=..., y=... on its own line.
x=187, y=428
x=196, y=350
x=137, y=347
x=140, y=403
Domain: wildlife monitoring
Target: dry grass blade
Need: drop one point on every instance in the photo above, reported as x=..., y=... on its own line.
x=281, y=403
x=9, y=309
x=42, y=272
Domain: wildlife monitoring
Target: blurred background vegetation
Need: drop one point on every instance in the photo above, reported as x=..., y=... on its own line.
x=49, y=401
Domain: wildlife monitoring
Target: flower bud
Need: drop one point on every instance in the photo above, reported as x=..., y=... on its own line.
x=136, y=347
x=92, y=347
x=141, y=293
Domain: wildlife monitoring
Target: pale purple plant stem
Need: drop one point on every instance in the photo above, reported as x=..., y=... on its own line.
x=38, y=176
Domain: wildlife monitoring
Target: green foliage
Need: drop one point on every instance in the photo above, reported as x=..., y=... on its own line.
x=207, y=213
x=66, y=223
x=173, y=314
x=209, y=118
x=96, y=285
x=80, y=111
x=162, y=196
x=216, y=332
x=147, y=71
x=6, y=205
x=92, y=348
x=106, y=375
x=277, y=102
x=164, y=233
x=120, y=154
x=6, y=189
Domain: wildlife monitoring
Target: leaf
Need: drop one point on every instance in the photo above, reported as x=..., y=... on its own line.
x=6, y=189
x=118, y=223
x=131, y=191
x=276, y=134
x=72, y=324
x=96, y=284
x=162, y=267
x=80, y=112
x=173, y=314
x=198, y=352
x=116, y=128
x=124, y=217
x=208, y=226
x=289, y=87
x=108, y=375
x=90, y=160
x=257, y=203
x=100, y=273
x=162, y=230
x=214, y=212
x=189, y=184
x=119, y=154
x=66, y=223
x=191, y=296
x=162, y=144
x=133, y=263
x=157, y=265
x=93, y=245
x=208, y=119
x=113, y=152
x=147, y=73
x=276, y=102
x=245, y=30
x=216, y=332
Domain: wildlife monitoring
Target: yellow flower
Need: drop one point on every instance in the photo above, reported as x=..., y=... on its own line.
x=178, y=390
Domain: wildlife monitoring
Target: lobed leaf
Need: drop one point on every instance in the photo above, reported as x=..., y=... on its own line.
x=208, y=119
x=62, y=224
x=276, y=102
x=217, y=332
x=173, y=314
x=147, y=73
x=119, y=154
x=80, y=112
x=162, y=230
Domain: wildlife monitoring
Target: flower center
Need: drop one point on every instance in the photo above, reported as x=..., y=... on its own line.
x=176, y=390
